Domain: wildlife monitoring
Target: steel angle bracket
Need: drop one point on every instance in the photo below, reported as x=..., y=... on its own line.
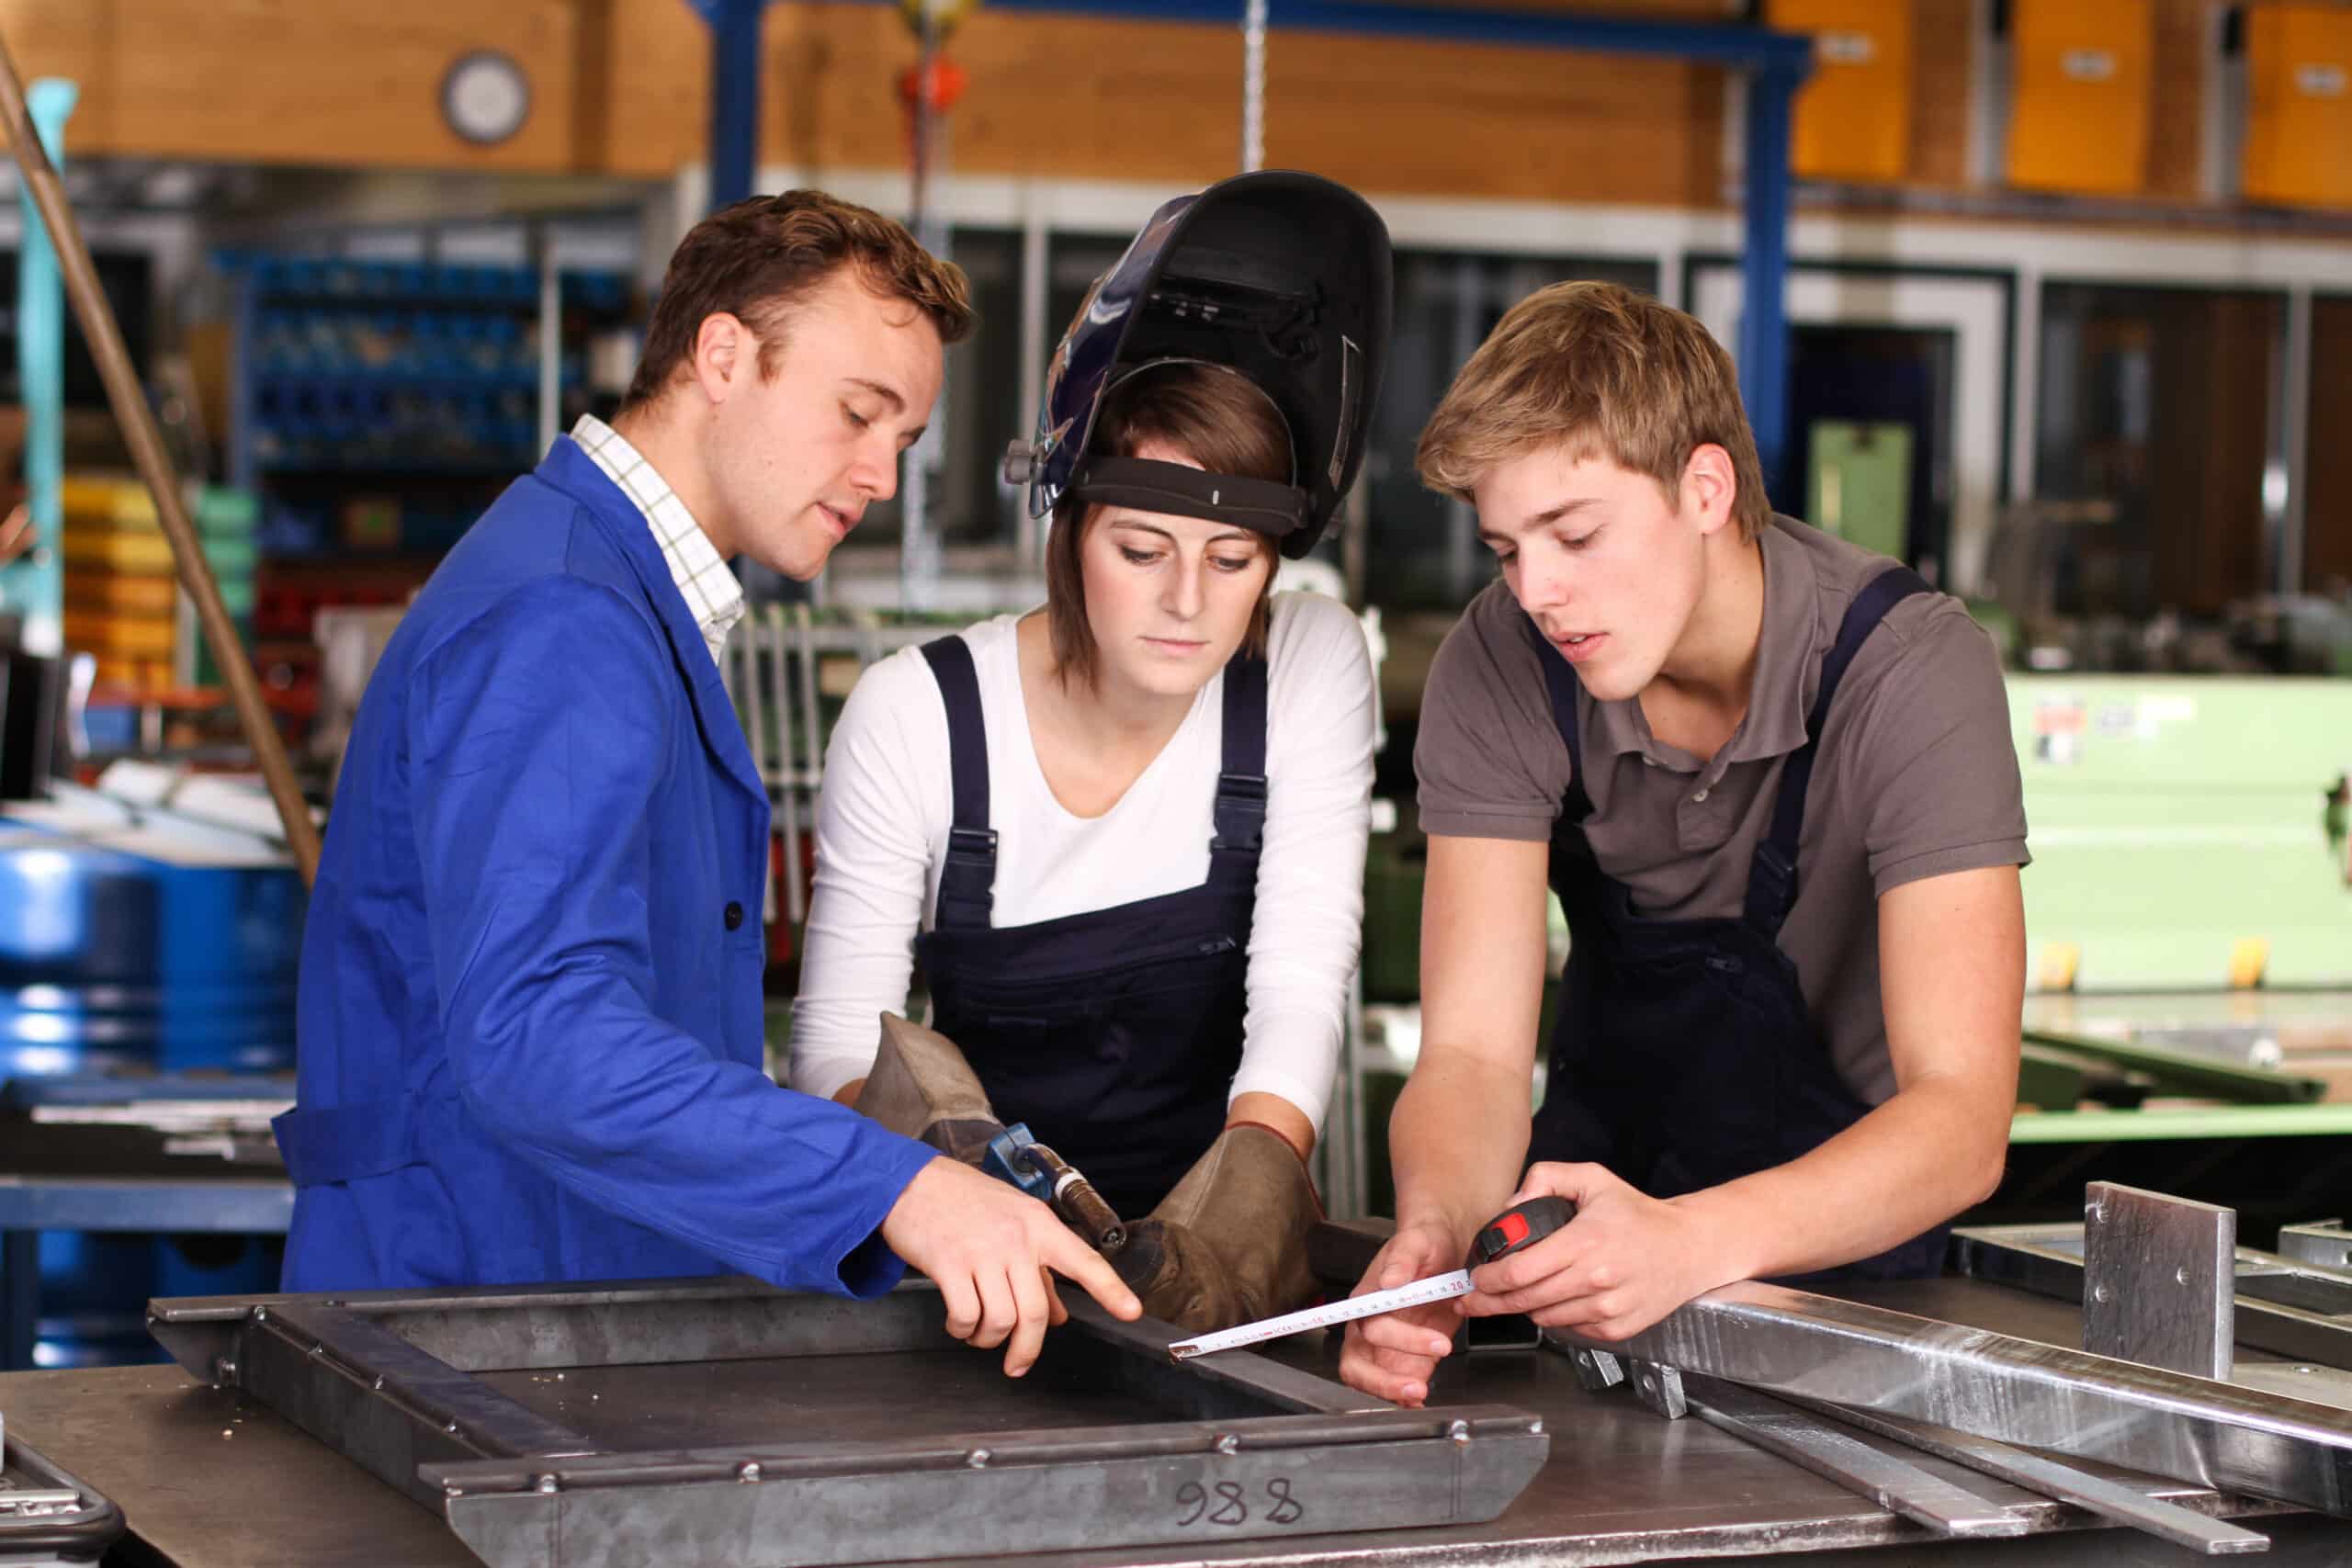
x=1023, y=1491
x=2014, y=1390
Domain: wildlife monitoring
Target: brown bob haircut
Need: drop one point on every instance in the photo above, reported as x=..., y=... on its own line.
x=1606, y=372
x=1212, y=414
x=758, y=258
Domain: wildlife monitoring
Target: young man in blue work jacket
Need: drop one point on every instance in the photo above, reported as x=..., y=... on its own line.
x=531, y=1007
x=1770, y=776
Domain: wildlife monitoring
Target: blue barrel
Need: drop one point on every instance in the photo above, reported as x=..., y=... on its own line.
x=112, y=961
x=119, y=962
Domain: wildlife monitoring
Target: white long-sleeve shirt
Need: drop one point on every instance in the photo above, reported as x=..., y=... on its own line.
x=888, y=802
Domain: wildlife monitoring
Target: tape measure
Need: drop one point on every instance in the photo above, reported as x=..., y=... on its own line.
x=1519, y=1226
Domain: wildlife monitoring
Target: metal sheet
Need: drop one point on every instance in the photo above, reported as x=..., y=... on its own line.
x=2158, y=1274
x=2011, y=1390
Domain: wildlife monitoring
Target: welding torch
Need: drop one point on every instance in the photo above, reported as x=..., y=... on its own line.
x=1013, y=1156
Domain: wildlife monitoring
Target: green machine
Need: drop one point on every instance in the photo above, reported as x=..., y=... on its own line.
x=2189, y=904
x=2182, y=831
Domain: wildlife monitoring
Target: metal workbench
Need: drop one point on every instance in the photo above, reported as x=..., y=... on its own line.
x=206, y=1480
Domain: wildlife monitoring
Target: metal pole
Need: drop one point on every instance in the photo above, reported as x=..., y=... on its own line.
x=1253, y=86
x=550, y=340
x=146, y=442
x=1764, y=326
x=2296, y=442
x=734, y=96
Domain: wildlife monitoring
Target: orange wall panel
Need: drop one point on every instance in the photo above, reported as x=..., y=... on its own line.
x=2079, y=99
x=1853, y=115
x=2298, y=129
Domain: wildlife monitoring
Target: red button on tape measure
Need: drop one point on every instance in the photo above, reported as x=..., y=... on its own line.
x=1520, y=1225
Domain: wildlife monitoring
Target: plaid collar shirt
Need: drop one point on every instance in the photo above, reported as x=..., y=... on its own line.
x=711, y=590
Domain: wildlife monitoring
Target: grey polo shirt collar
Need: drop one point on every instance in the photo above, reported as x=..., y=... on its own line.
x=1787, y=670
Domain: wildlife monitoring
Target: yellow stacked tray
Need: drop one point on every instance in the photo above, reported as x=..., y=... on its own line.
x=120, y=594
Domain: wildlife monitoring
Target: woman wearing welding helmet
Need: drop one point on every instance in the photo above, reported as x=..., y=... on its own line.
x=1122, y=836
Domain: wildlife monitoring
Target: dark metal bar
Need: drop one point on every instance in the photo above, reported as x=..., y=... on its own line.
x=2110, y=1500
x=146, y=442
x=362, y=1389
x=1894, y=1483
x=1145, y=1343
x=237, y=1206
x=19, y=1298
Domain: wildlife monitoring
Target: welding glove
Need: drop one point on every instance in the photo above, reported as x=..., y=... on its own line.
x=1229, y=1245
x=921, y=1087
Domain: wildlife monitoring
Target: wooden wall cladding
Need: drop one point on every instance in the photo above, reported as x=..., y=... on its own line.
x=1943, y=54
x=2182, y=48
x=621, y=86
x=334, y=81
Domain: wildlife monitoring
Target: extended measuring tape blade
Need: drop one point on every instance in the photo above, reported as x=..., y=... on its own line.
x=1436, y=1288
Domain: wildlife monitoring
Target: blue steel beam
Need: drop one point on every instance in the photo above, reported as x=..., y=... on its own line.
x=1777, y=64
x=1764, y=267
x=734, y=96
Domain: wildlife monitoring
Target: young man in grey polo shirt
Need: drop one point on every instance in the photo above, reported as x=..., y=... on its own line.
x=1771, y=776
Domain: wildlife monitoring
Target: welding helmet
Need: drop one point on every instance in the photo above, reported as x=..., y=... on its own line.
x=1281, y=276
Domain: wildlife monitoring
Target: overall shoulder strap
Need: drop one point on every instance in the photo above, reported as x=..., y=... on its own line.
x=968, y=878
x=1241, y=772
x=1560, y=680
x=1773, y=876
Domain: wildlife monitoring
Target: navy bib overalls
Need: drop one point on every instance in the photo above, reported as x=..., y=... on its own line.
x=1683, y=1055
x=1113, y=1033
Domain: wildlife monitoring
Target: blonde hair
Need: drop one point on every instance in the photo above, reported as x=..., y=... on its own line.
x=1606, y=372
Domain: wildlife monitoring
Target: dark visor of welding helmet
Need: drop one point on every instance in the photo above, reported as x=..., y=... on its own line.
x=1281, y=276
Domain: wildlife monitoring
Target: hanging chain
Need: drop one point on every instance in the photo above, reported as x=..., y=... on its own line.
x=1253, y=86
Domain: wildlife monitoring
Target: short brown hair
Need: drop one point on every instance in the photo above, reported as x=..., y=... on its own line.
x=1214, y=415
x=758, y=258
x=1607, y=373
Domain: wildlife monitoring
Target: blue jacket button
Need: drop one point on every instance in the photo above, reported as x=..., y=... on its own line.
x=734, y=917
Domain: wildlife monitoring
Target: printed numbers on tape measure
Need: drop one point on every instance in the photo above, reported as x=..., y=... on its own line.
x=1227, y=1503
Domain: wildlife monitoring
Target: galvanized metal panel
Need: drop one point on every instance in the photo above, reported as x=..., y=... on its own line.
x=2159, y=1276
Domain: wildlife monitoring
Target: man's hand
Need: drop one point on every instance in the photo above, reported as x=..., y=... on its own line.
x=1626, y=1259
x=1394, y=1355
x=987, y=1247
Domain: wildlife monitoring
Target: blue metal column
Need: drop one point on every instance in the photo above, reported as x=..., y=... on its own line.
x=734, y=96
x=1764, y=267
